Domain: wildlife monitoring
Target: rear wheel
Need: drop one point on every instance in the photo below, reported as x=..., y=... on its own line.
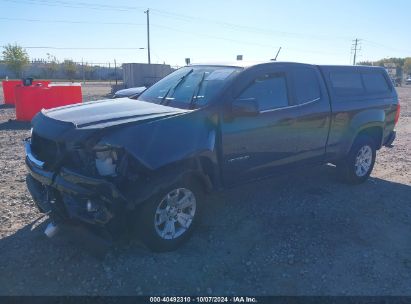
x=358, y=165
x=167, y=220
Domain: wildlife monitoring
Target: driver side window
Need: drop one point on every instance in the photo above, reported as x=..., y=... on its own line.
x=270, y=90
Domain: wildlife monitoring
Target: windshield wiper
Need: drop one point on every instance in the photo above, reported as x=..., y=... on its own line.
x=180, y=81
x=197, y=91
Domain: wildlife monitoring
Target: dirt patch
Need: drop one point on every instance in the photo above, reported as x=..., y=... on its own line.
x=304, y=234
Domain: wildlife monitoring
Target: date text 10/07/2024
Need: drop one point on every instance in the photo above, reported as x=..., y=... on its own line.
x=203, y=300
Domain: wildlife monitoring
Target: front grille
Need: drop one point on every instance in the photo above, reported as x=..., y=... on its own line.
x=44, y=149
x=81, y=162
x=55, y=154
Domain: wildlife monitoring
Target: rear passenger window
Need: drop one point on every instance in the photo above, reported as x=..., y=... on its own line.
x=269, y=90
x=375, y=83
x=345, y=83
x=307, y=87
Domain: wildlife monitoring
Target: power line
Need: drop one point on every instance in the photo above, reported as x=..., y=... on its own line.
x=181, y=17
x=377, y=44
x=93, y=6
x=134, y=48
x=70, y=21
x=243, y=28
x=177, y=16
x=155, y=25
x=368, y=42
x=242, y=42
x=270, y=46
x=170, y=15
x=186, y=18
x=82, y=48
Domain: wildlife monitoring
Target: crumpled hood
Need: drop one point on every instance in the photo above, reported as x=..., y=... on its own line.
x=110, y=112
x=154, y=134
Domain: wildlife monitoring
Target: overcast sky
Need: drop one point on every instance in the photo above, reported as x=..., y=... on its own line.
x=315, y=31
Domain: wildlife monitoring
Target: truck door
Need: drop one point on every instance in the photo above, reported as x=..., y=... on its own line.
x=257, y=145
x=312, y=113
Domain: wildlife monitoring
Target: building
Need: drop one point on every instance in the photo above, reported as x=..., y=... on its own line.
x=393, y=70
x=143, y=74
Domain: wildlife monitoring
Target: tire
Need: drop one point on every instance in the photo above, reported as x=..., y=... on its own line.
x=359, y=163
x=170, y=234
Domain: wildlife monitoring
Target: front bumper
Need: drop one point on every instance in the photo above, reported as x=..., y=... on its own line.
x=65, y=195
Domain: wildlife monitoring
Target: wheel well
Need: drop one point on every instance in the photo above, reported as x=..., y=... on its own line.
x=375, y=133
x=200, y=178
x=208, y=168
x=199, y=169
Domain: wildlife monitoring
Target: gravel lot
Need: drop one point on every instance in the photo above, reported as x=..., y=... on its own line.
x=304, y=234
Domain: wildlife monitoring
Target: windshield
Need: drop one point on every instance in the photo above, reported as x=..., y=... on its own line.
x=189, y=87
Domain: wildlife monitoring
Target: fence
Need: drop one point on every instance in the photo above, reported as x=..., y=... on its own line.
x=68, y=70
x=143, y=74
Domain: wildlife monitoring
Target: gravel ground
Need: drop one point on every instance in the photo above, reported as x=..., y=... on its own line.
x=304, y=234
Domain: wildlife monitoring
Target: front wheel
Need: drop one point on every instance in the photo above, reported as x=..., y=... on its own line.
x=358, y=165
x=167, y=219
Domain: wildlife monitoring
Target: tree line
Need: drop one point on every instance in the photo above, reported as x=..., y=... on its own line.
x=16, y=59
x=17, y=62
x=403, y=64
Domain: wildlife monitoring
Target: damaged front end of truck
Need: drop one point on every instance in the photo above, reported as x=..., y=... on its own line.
x=118, y=165
x=91, y=172
x=80, y=184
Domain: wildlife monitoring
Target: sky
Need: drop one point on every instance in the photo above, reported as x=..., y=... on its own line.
x=315, y=31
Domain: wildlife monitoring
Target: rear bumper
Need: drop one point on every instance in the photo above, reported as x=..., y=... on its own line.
x=72, y=198
x=390, y=139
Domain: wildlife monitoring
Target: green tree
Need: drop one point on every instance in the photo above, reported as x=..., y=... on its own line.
x=16, y=58
x=90, y=71
x=407, y=65
x=52, y=65
x=70, y=68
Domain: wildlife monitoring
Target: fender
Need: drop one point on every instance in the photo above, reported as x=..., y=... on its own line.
x=359, y=122
x=170, y=149
x=167, y=141
x=163, y=178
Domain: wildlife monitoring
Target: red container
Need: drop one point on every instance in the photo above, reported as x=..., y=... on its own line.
x=31, y=100
x=9, y=87
x=8, y=90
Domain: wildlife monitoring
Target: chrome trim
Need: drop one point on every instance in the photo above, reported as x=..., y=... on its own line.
x=293, y=106
x=241, y=158
x=31, y=157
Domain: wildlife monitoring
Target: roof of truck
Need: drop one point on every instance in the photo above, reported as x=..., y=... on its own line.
x=351, y=66
x=247, y=64
x=242, y=64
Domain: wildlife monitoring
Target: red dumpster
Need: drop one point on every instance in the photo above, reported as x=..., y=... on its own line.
x=31, y=99
x=9, y=89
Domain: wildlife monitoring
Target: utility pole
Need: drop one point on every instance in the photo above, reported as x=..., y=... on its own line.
x=115, y=69
x=148, y=34
x=355, y=49
x=109, y=72
x=82, y=71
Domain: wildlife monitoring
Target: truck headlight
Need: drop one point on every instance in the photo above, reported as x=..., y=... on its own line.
x=106, y=161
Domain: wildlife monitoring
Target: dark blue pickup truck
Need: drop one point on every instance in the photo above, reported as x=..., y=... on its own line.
x=115, y=166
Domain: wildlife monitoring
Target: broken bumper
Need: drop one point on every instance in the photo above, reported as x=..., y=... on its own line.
x=71, y=197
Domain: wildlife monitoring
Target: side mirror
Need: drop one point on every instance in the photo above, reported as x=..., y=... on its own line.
x=245, y=107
